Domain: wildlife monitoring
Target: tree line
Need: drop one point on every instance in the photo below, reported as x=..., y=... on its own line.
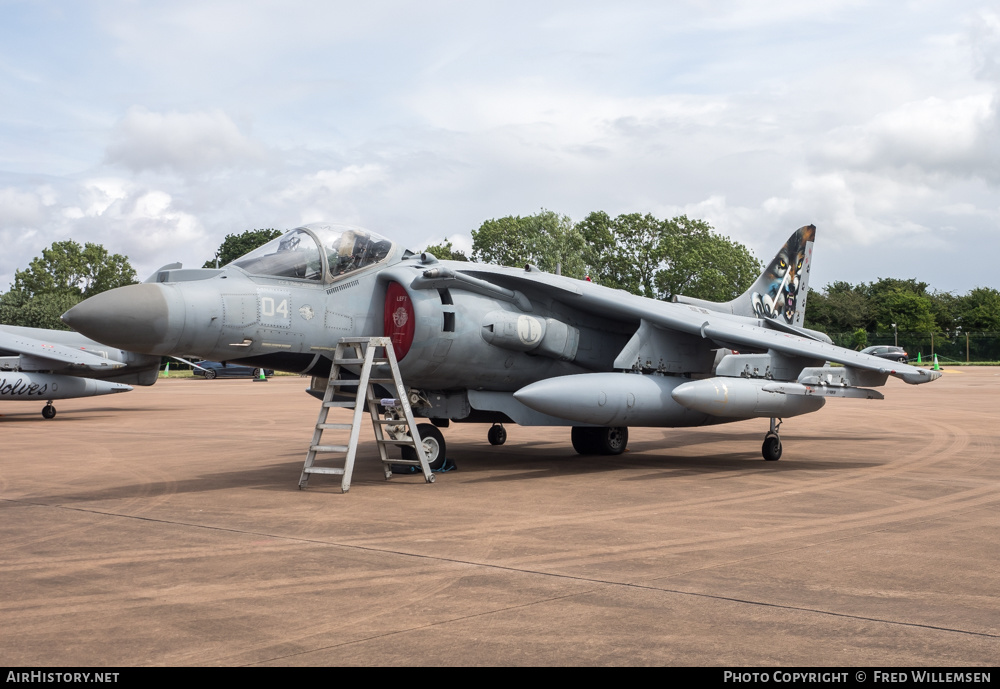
x=874, y=307
x=638, y=253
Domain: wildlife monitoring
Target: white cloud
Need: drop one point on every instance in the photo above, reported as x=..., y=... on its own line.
x=187, y=143
x=934, y=135
x=19, y=208
x=329, y=194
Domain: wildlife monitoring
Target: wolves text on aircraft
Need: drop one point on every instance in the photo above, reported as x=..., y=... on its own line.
x=38, y=364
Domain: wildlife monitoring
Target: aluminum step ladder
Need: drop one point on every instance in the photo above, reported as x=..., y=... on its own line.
x=397, y=429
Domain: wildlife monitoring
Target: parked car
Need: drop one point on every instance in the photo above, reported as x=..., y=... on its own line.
x=220, y=369
x=887, y=352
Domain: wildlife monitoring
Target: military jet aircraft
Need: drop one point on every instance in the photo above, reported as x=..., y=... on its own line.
x=38, y=364
x=483, y=343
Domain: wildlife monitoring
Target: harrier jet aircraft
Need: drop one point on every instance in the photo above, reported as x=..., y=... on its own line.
x=484, y=343
x=38, y=364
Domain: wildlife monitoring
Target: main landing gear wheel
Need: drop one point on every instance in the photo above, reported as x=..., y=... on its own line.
x=497, y=435
x=48, y=411
x=588, y=440
x=771, y=449
x=434, y=446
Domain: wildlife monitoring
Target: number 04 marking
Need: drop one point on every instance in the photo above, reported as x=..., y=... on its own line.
x=268, y=307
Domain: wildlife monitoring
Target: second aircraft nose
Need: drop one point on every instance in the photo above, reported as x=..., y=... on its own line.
x=146, y=318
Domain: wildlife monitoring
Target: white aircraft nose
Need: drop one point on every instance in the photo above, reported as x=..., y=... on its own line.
x=146, y=318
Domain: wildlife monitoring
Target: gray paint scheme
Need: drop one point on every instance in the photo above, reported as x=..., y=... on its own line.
x=493, y=343
x=38, y=364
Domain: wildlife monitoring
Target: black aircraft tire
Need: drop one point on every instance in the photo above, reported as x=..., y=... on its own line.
x=497, y=435
x=434, y=446
x=584, y=441
x=49, y=412
x=613, y=440
x=771, y=450
x=209, y=374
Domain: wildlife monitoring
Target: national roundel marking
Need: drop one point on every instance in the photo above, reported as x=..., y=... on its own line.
x=398, y=320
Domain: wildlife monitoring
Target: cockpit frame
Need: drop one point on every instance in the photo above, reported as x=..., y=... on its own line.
x=318, y=253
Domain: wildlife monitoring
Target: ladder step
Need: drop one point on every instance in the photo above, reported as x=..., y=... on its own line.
x=372, y=341
x=339, y=404
x=328, y=448
x=335, y=426
x=352, y=383
x=348, y=361
x=387, y=441
x=323, y=470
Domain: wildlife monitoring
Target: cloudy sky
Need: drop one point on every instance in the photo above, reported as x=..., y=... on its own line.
x=156, y=128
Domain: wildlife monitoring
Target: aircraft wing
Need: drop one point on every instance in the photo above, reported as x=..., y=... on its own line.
x=40, y=355
x=723, y=329
x=709, y=325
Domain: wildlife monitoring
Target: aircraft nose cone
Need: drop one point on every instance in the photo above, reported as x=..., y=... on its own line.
x=137, y=318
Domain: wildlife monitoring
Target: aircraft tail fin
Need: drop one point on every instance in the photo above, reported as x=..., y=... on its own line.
x=780, y=292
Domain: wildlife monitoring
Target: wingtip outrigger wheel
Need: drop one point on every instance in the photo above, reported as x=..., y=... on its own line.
x=771, y=449
x=49, y=411
x=497, y=435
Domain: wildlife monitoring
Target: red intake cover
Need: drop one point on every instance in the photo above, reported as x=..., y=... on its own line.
x=399, y=321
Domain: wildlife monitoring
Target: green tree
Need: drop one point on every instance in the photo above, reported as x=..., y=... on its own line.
x=660, y=258
x=545, y=239
x=979, y=310
x=624, y=252
x=945, y=307
x=604, y=263
x=64, y=275
x=446, y=252
x=859, y=340
x=903, y=302
x=702, y=264
x=236, y=245
x=840, y=308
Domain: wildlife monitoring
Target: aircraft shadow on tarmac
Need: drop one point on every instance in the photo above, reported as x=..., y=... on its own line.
x=673, y=439
x=517, y=463
x=68, y=415
x=658, y=465
x=280, y=476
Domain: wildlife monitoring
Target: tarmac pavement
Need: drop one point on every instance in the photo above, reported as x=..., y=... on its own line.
x=165, y=527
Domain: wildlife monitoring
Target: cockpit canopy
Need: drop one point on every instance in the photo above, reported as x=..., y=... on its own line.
x=317, y=252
